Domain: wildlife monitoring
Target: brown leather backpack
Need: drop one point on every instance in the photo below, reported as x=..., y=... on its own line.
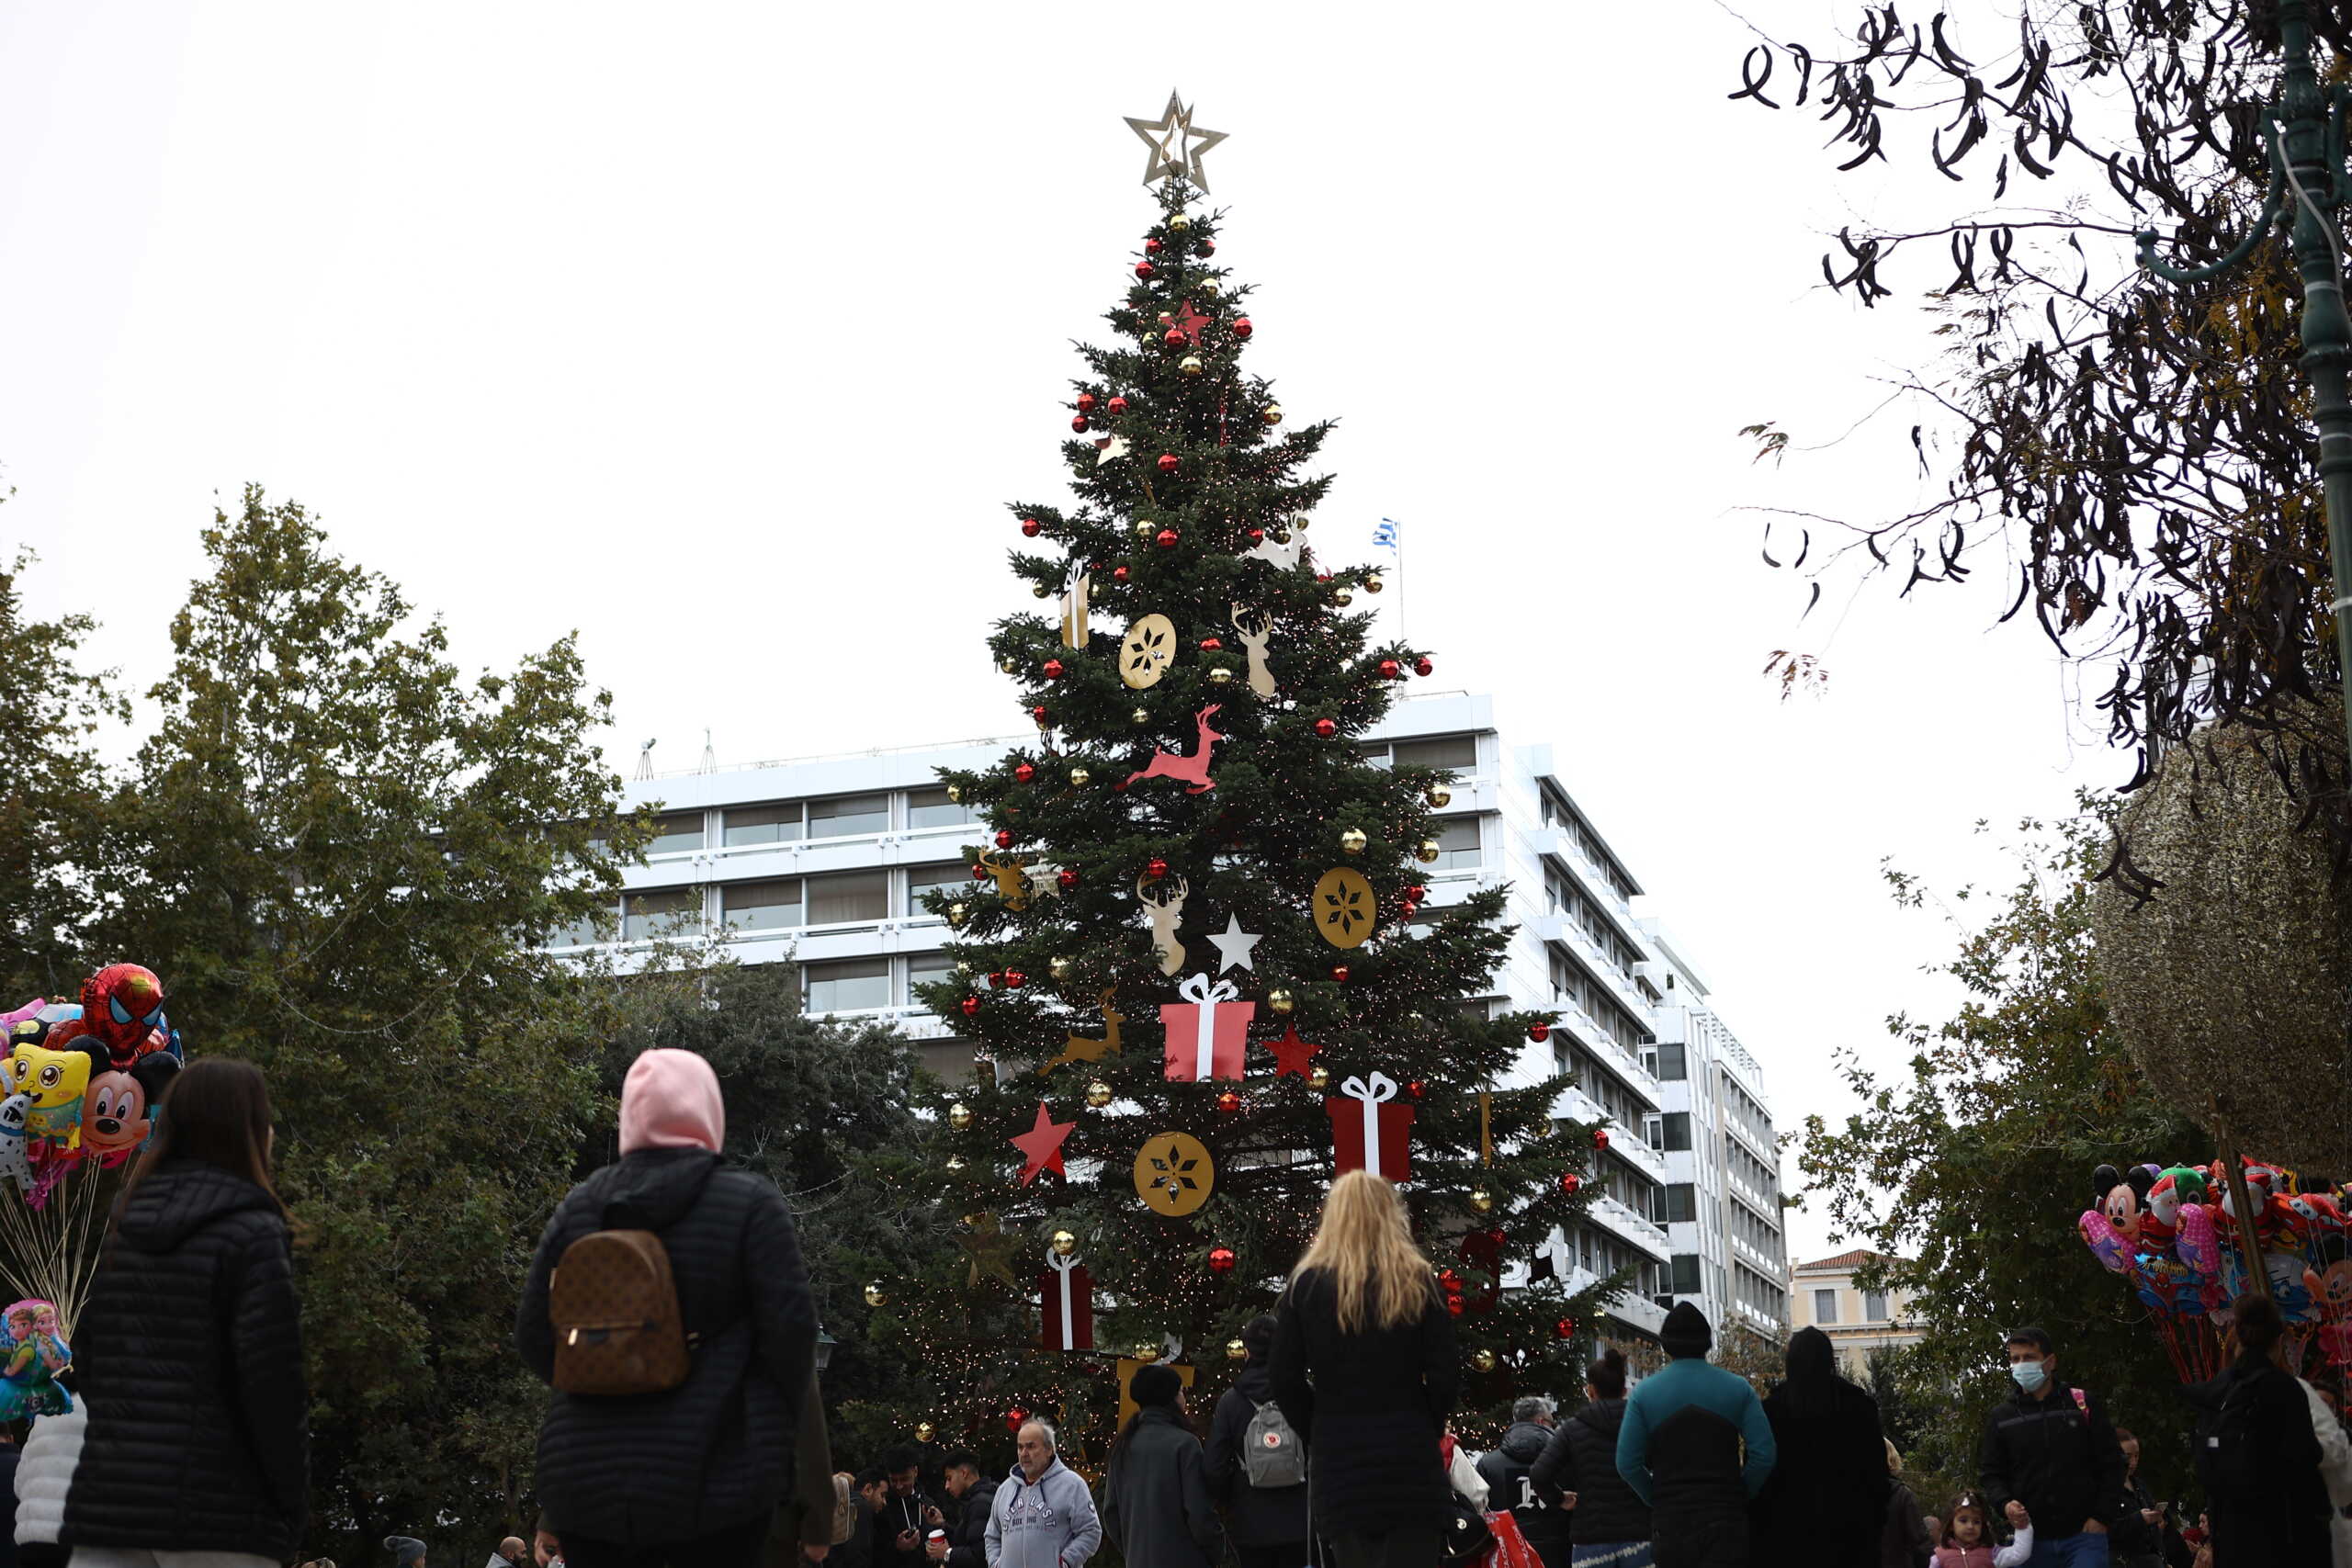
x=614, y=1307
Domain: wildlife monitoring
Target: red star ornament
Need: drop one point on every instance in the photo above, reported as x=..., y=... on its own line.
x=1041, y=1146
x=1292, y=1054
x=1189, y=322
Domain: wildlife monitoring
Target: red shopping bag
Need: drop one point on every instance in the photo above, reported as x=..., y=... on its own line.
x=1511, y=1548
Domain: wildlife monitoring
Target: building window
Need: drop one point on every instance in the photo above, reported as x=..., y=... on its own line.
x=1684, y=1280
x=1676, y=1129
x=932, y=809
x=927, y=969
x=922, y=879
x=761, y=824
x=846, y=816
x=1874, y=1307
x=679, y=830
x=1681, y=1202
x=1673, y=1064
x=1824, y=1306
x=582, y=933
x=1457, y=841
x=849, y=896
x=1456, y=752
x=761, y=905
x=666, y=912
x=846, y=986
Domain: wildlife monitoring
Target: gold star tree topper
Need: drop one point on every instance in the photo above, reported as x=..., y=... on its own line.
x=1176, y=143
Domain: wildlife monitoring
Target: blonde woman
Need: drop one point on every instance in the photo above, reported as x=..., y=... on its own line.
x=1364, y=1369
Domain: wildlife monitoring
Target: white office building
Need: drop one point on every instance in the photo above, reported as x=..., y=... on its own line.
x=822, y=861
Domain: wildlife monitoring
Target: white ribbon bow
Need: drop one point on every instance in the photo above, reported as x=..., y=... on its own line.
x=1062, y=1266
x=1380, y=1087
x=1205, y=994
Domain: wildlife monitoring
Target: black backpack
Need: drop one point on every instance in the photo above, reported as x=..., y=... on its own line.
x=2226, y=1462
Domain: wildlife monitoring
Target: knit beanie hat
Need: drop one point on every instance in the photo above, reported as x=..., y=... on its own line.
x=669, y=1100
x=1155, y=1385
x=406, y=1549
x=1686, y=1332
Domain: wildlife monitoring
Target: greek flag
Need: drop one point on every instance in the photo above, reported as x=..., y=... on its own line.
x=1385, y=537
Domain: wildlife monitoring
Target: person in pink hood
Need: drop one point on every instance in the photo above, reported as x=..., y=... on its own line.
x=694, y=1475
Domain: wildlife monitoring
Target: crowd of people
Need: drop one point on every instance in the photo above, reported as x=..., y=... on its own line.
x=668, y=1310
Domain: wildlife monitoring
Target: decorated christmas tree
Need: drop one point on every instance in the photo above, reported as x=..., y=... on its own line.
x=1197, y=958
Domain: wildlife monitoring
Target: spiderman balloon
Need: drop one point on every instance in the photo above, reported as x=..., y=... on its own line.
x=122, y=1028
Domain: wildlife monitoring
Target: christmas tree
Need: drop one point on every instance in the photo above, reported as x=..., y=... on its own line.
x=1197, y=958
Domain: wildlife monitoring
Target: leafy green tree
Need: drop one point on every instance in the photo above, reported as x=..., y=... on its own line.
x=1969, y=1161
x=52, y=793
x=342, y=856
x=1200, y=773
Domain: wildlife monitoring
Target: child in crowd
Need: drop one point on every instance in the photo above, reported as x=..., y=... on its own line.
x=1968, y=1538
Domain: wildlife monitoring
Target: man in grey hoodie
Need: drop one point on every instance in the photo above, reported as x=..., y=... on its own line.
x=1044, y=1516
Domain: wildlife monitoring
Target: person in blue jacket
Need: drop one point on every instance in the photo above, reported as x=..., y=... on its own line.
x=1695, y=1447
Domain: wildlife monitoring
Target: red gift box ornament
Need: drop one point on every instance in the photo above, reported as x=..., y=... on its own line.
x=1070, y=1304
x=1370, y=1128
x=1207, y=1031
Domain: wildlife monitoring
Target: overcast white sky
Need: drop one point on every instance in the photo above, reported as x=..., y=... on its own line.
x=721, y=333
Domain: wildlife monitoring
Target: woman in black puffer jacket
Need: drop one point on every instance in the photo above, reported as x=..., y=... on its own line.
x=1581, y=1459
x=190, y=1350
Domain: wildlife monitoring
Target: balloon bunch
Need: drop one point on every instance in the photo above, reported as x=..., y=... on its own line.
x=2175, y=1233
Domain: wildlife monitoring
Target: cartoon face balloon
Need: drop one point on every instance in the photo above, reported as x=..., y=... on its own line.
x=56, y=1081
x=120, y=1005
x=114, y=1117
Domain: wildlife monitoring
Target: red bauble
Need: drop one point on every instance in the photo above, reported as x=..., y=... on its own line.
x=1144, y=269
x=1120, y=575
x=1408, y=909
x=1152, y=246
x=1052, y=668
x=995, y=977
x=1416, y=1089
x=1212, y=645
x=1065, y=879
x=1340, y=972
x=1025, y=773
x=1228, y=1103
x=1565, y=1328
x=1013, y=1418
x=1038, y=713
x=1004, y=838
x=1417, y=892
x=1155, y=868
x=979, y=873
x=1325, y=728
x=1175, y=337
x=1242, y=328
x=1454, y=1305
x=1600, y=1137
x=1539, y=1032
x=1206, y=245
x=1031, y=528
x=1086, y=402
x=1014, y=979
x=1571, y=1183
x=1078, y=423
x=1257, y=535
x=1165, y=538
x=971, y=1007
x=1390, y=669
x=1452, y=1281
x=1168, y=463
x=1423, y=667
x=1221, y=1260
x=1117, y=405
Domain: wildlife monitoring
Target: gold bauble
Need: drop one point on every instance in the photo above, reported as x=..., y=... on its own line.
x=1280, y=1000
x=1353, y=840
x=1319, y=1078
x=876, y=1295
x=954, y=1162
x=1146, y=528
x=1191, y=364
x=955, y=913
x=1298, y=525
x=955, y=794
x=1429, y=852
x=1166, y=316
x=963, y=968
x=1140, y=716
x=1482, y=1200
x=1007, y=665
x=960, y=1116
x=1209, y=286
x=1178, y=222
x=1059, y=967
x=1281, y=536
x=1342, y=598
x=925, y=1431
x=1374, y=585
x=1219, y=675
x=1080, y=778
x=1483, y=1359
x=1148, y=1351
x=1234, y=1350
x=1039, y=591
x=1272, y=413
x=1440, y=796
x=1064, y=1243
x=1098, y=1094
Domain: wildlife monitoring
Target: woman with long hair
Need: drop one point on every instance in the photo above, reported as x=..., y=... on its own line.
x=1364, y=1369
x=190, y=1350
x=1826, y=1496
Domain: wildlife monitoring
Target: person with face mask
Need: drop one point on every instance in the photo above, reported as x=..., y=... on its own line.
x=2050, y=1457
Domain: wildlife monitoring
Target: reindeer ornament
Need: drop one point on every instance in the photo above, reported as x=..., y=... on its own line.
x=1163, y=906
x=1193, y=770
